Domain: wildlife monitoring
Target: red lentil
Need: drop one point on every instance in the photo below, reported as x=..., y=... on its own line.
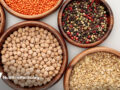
x=31, y=7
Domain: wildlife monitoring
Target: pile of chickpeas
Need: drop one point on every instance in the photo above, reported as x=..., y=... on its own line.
x=34, y=52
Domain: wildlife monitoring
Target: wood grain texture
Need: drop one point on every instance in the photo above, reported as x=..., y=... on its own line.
x=110, y=25
x=80, y=56
x=31, y=17
x=2, y=19
x=55, y=33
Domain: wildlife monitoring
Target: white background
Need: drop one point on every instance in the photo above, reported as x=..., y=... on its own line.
x=113, y=41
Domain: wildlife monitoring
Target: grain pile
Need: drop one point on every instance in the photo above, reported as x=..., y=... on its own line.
x=97, y=71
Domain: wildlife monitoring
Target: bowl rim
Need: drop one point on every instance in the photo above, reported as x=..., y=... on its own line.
x=78, y=58
x=31, y=17
x=91, y=44
x=54, y=32
x=2, y=20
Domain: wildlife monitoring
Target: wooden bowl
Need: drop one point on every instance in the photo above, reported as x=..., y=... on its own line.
x=2, y=20
x=31, y=17
x=110, y=25
x=80, y=56
x=55, y=33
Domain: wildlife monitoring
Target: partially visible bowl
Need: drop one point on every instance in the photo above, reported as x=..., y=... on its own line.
x=32, y=17
x=76, y=59
x=2, y=20
x=50, y=29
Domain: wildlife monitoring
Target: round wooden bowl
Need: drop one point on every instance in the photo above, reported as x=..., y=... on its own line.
x=31, y=17
x=2, y=20
x=55, y=33
x=110, y=25
x=82, y=55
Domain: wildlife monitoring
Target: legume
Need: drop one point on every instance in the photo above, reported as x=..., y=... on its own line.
x=31, y=7
x=97, y=71
x=33, y=52
x=85, y=21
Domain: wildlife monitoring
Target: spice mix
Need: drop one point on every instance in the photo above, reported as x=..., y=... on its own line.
x=85, y=21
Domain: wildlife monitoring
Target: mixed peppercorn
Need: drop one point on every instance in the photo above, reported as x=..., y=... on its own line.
x=85, y=21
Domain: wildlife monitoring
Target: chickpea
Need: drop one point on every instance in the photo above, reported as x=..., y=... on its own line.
x=56, y=72
x=44, y=50
x=17, y=40
x=37, y=46
x=6, y=55
x=36, y=65
x=50, y=73
x=19, y=53
x=33, y=52
x=32, y=40
x=58, y=58
x=37, y=28
x=25, y=55
x=48, y=63
x=47, y=68
x=58, y=68
x=23, y=70
x=12, y=61
x=4, y=61
x=20, y=30
x=23, y=45
x=49, y=52
x=32, y=45
x=15, y=33
x=29, y=38
x=27, y=43
x=37, y=71
x=53, y=61
x=59, y=51
x=4, y=46
x=34, y=61
x=48, y=41
x=36, y=40
x=45, y=74
x=51, y=68
x=26, y=33
x=30, y=52
x=9, y=39
x=43, y=55
x=12, y=35
x=3, y=52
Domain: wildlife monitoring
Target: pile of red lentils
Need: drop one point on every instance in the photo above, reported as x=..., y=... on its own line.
x=85, y=21
x=31, y=7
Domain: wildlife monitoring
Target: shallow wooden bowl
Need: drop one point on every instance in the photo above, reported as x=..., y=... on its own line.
x=2, y=19
x=110, y=25
x=32, y=17
x=82, y=55
x=55, y=33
